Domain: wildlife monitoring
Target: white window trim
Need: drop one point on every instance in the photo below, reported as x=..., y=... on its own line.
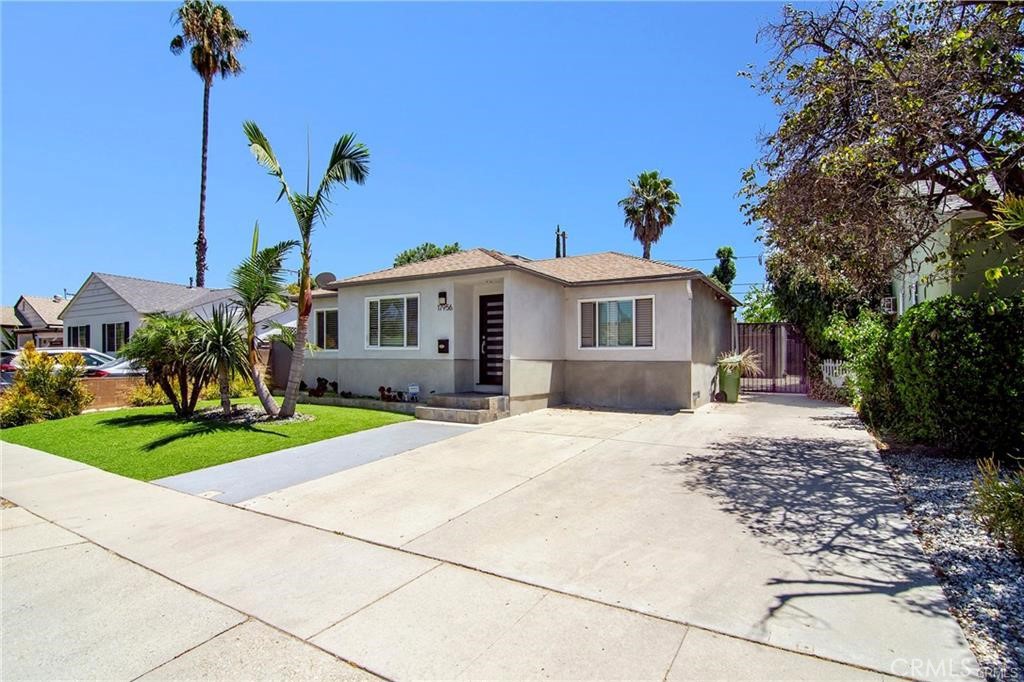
x=316, y=329
x=405, y=332
x=596, y=346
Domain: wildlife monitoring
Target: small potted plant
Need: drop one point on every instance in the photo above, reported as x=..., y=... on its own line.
x=732, y=366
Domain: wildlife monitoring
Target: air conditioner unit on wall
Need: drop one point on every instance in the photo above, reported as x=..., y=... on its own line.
x=889, y=305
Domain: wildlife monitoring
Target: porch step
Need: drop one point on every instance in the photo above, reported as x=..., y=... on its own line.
x=469, y=401
x=459, y=415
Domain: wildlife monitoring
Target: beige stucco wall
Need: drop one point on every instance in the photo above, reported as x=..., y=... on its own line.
x=534, y=344
x=671, y=322
x=712, y=333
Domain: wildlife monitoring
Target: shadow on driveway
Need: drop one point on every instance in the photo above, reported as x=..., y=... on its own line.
x=828, y=505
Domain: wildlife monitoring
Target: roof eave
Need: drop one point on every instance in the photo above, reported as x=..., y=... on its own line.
x=345, y=284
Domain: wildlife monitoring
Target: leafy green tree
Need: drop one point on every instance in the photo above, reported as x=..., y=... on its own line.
x=425, y=251
x=888, y=113
x=220, y=350
x=349, y=162
x=259, y=281
x=759, y=306
x=725, y=271
x=164, y=345
x=214, y=39
x=649, y=208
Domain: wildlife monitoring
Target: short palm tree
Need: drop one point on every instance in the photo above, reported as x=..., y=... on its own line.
x=215, y=40
x=649, y=208
x=259, y=281
x=349, y=162
x=163, y=345
x=220, y=351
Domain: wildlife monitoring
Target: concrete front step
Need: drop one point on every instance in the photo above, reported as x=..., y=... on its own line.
x=469, y=401
x=457, y=415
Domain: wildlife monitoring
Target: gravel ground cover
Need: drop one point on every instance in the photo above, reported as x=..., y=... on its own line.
x=982, y=578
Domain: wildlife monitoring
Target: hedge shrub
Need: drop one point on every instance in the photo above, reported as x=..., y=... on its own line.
x=958, y=364
x=866, y=343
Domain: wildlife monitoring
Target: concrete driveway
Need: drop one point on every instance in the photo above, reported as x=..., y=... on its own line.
x=751, y=541
x=772, y=520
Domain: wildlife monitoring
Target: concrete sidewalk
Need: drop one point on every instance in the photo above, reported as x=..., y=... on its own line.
x=246, y=478
x=391, y=612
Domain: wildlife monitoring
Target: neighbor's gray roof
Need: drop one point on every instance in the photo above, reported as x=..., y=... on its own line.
x=151, y=296
x=48, y=308
x=594, y=268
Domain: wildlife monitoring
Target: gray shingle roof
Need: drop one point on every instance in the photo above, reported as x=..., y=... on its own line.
x=151, y=296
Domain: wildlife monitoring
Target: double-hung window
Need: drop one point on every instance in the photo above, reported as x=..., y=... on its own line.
x=393, y=321
x=114, y=336
x=327, y=329
x=617, y=323
x=78, y=337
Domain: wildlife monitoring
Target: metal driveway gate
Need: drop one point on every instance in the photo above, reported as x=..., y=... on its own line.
x=783, y=355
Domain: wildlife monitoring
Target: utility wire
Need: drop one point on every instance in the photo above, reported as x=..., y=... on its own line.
x=695, y=260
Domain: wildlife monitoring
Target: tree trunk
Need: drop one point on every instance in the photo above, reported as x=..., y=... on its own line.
x=165, y=385
x=201, y=237
x=186, y=408
x=291, y=394
x=225, y=391
x=647, y=250
x=262, y=390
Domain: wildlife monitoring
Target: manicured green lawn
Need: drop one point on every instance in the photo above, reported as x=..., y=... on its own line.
x=149, y=442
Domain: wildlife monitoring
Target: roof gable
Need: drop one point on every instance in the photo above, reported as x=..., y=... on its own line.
x=46, y=308
x=150, y=296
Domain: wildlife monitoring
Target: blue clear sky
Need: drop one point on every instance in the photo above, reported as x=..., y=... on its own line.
x=488, y=125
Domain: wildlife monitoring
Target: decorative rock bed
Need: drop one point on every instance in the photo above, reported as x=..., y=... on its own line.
x=983, y=580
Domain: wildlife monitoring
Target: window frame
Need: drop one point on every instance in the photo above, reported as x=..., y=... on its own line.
x=76, y=330
x=597, y=318
x=405, y=322
x=316, y=328
x=103, y=332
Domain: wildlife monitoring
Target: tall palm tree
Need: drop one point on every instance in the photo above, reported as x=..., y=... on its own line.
x=259, y=281
x=649, y=208
x=220, y=351
x=349, y=162
x=215, y=39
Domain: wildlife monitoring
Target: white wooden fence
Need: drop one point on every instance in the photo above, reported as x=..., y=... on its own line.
x=834, y=372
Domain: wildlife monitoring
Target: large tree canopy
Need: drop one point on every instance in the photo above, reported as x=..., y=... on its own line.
x=890, y=113
x=425, y=251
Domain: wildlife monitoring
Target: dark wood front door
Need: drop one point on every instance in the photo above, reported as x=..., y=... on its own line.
x=492, y=338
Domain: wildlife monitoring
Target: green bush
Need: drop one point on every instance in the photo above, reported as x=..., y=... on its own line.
x=959, y=370
x=240, y=387
x=999, y=504
x=44, y=388
x=865, y=344
x=145, y=395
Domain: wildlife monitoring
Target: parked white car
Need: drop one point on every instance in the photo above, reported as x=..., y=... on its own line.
x=116, y=368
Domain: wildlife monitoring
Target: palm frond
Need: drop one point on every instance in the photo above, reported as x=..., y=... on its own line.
x=260, y=147
x=350, y=162
x=221, y=344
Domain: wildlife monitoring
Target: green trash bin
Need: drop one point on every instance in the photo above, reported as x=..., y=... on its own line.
x=729, y=382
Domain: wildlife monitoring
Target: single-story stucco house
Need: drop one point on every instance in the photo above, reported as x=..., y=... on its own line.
x=108, y=309
x=604, y=329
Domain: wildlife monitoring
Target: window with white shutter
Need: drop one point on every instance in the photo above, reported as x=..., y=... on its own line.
x=393, y=321
x=617, y=323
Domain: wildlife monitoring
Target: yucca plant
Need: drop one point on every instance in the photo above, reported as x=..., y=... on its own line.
x=220, y=351
x=747, y=362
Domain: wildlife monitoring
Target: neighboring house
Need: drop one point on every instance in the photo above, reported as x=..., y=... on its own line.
x=603, y=329
x=108, y=309
x=921, y=277
x=9, y=322
x=38, y=319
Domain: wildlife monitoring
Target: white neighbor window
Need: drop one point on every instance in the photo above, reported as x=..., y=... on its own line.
x=617, y=323
x=393, y=321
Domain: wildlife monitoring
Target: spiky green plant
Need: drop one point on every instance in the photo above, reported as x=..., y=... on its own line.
x=746, y=362
x=220, y=350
